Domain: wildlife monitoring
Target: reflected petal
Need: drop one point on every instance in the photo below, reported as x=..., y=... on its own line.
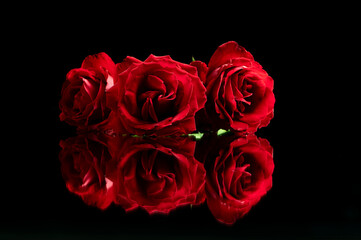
x=235, y=182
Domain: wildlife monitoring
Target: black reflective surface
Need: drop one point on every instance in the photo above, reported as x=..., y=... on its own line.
x=159, y=174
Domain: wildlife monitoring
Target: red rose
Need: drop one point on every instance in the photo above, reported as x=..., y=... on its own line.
x=239, y=173
x=158, y=175
x=83, y=165
x=158, y=96
x=83, y=98
x=239, y=92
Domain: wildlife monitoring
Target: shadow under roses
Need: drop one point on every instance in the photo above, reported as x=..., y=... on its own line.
x=159, y=174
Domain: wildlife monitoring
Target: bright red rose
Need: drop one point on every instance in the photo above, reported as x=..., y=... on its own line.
x=83, y=165
x=239, y=92
x=239, y=173
x=83, y=96
x=159, y=96
x=159, y=175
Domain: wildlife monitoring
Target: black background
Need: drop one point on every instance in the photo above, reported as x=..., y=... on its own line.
x=316, y=190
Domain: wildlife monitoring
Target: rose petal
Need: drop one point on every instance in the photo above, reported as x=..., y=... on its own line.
x=153, y=82
x=124, y=65
x=226, y=52
x=202, y=69
x=98, y=61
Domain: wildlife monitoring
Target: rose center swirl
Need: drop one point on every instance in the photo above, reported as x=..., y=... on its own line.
x=236, y=179
x=156, y=173
x=155, y=99
x=237, y=93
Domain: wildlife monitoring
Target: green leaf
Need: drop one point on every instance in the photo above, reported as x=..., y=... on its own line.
x=136, y=136
x=197, y=135
x=221, y=132
x=193, y=59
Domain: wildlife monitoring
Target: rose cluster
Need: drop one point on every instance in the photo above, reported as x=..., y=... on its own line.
x=158, y=174
x=160, y=96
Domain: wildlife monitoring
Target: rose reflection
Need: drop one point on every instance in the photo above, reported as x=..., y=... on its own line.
x=239, y=173
x=160, y=174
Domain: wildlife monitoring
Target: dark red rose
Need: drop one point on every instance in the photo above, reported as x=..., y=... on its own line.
x=83, y=166
x=159, y=96
x=159, y=175
x=239, y=92
x=83, y=96
x=239, y=173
